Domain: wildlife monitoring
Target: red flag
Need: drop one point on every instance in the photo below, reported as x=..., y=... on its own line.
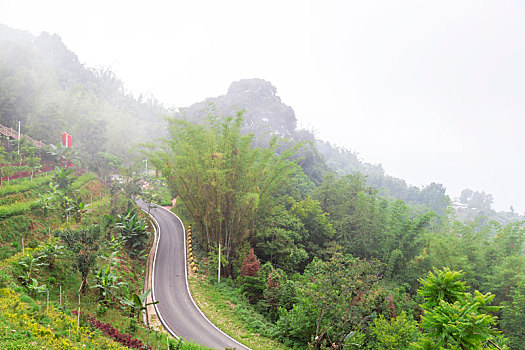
x=66, y=139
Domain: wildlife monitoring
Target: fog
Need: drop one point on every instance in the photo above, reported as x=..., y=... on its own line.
x=432, y=90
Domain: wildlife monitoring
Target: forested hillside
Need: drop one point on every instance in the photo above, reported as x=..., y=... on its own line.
x=336, y=264
x=45, y=87
x=266, y=116
x=316, y=249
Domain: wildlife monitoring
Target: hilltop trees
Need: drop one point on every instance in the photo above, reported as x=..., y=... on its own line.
x=223, y=181
x=45, y=87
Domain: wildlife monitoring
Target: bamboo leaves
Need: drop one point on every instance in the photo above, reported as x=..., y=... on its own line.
x=223, y=181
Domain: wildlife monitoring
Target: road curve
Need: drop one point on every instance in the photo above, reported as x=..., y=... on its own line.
x=176, y=309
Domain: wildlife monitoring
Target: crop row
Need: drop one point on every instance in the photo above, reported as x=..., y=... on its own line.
x=25, y=186
x=24, y=207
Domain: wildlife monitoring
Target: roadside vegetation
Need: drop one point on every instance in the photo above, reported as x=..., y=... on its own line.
x=318, y=249
x=73, y=251
x=334, y=264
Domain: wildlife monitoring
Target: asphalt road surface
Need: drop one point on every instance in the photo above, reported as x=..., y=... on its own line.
x=176, y=309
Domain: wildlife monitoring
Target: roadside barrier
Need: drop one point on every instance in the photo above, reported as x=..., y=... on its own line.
x=191, y=257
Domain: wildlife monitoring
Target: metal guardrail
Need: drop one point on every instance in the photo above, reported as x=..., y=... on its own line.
x=10, y=132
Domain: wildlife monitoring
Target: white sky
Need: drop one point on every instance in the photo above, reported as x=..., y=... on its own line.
x=433, y=90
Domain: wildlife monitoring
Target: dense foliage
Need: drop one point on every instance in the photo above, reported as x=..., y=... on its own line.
x=224, y=182
x=338, y=265
x=320, y=249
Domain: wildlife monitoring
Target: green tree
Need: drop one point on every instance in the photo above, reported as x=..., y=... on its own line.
x=34, y=164
x=335, y=300
x=396, y=333
x=513, y=321
x=223, y=181
x=319, y=230
x=8, y=171
x=84, y=246
x=280, y=238
x=453, y=318
x=105, y=163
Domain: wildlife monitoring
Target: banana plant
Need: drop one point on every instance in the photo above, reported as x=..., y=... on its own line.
x=66, y=206
x=107, y=223
x=79, y=209
x=31, y=264
x=52, y=251
x=34, y=288
x=107, y=283
x=133, y=230
x=136, y=304
x=63, y=178
x=45, y=201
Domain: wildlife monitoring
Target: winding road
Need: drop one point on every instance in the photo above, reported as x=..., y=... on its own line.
x=176, y=309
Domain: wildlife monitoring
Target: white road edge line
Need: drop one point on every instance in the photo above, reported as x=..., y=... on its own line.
x=157, y=234
x=186, y=277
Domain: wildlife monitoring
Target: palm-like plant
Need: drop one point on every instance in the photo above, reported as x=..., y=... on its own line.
x=137, y=305
x=133, y=230
x=79, y=209
x=45, y=201
x=107, y=223
x=52, y=252
x=63, y=178
x=31, y=264
x=107, y=283
x=34, y=288
x=66, y=206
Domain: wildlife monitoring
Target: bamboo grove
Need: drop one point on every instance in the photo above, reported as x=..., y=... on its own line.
x=223, y=181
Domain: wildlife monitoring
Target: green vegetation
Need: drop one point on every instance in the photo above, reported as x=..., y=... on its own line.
x=105, y=273
x=227, y=308
x=224, y=182
x=318, y=249
x=335, y=264
x=452, y=317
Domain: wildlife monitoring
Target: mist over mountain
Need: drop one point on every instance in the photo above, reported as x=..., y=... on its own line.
x=266, y=115
x=45, y=88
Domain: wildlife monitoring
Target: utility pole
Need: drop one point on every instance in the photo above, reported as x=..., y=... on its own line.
x=219, y=265
x=18, y=138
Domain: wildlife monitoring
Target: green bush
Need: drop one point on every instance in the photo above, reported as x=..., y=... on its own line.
x=82, y=180
x=25, y=185
x=16, y=209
